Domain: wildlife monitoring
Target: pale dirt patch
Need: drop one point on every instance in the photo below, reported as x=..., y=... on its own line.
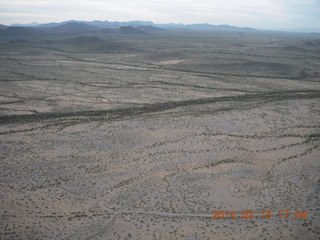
x=170, y=62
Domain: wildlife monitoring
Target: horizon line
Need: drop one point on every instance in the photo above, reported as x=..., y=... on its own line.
x=304, y=30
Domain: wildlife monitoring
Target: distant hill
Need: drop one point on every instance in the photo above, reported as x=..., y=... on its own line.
x=144, y=26
x=150, y=29
x=83, y=41
x=19, y=41
x=74, y=28
x=313, y=43
x=3, y=26
x=128, y=30
x=89, y=44
x=113, y=25
x=123, y=30
x=20, y=31
x=71, y=28
x=98, y=24
x=77, y=27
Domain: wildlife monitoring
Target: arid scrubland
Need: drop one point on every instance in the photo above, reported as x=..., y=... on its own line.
x=145, y=141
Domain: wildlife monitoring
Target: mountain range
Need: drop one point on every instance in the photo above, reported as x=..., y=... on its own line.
x=132, y=27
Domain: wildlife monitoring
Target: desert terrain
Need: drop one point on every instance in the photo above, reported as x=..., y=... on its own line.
x=143, y=136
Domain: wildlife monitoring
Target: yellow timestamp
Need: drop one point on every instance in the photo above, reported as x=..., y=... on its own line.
x=258, y=214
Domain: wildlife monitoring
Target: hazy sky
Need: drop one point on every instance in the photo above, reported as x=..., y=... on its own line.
x=264, y=14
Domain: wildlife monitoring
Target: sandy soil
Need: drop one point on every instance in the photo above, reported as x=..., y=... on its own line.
x=111, y=147
x=168, y=62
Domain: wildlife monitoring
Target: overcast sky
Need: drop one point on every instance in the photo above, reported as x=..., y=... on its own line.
x=263, y=14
